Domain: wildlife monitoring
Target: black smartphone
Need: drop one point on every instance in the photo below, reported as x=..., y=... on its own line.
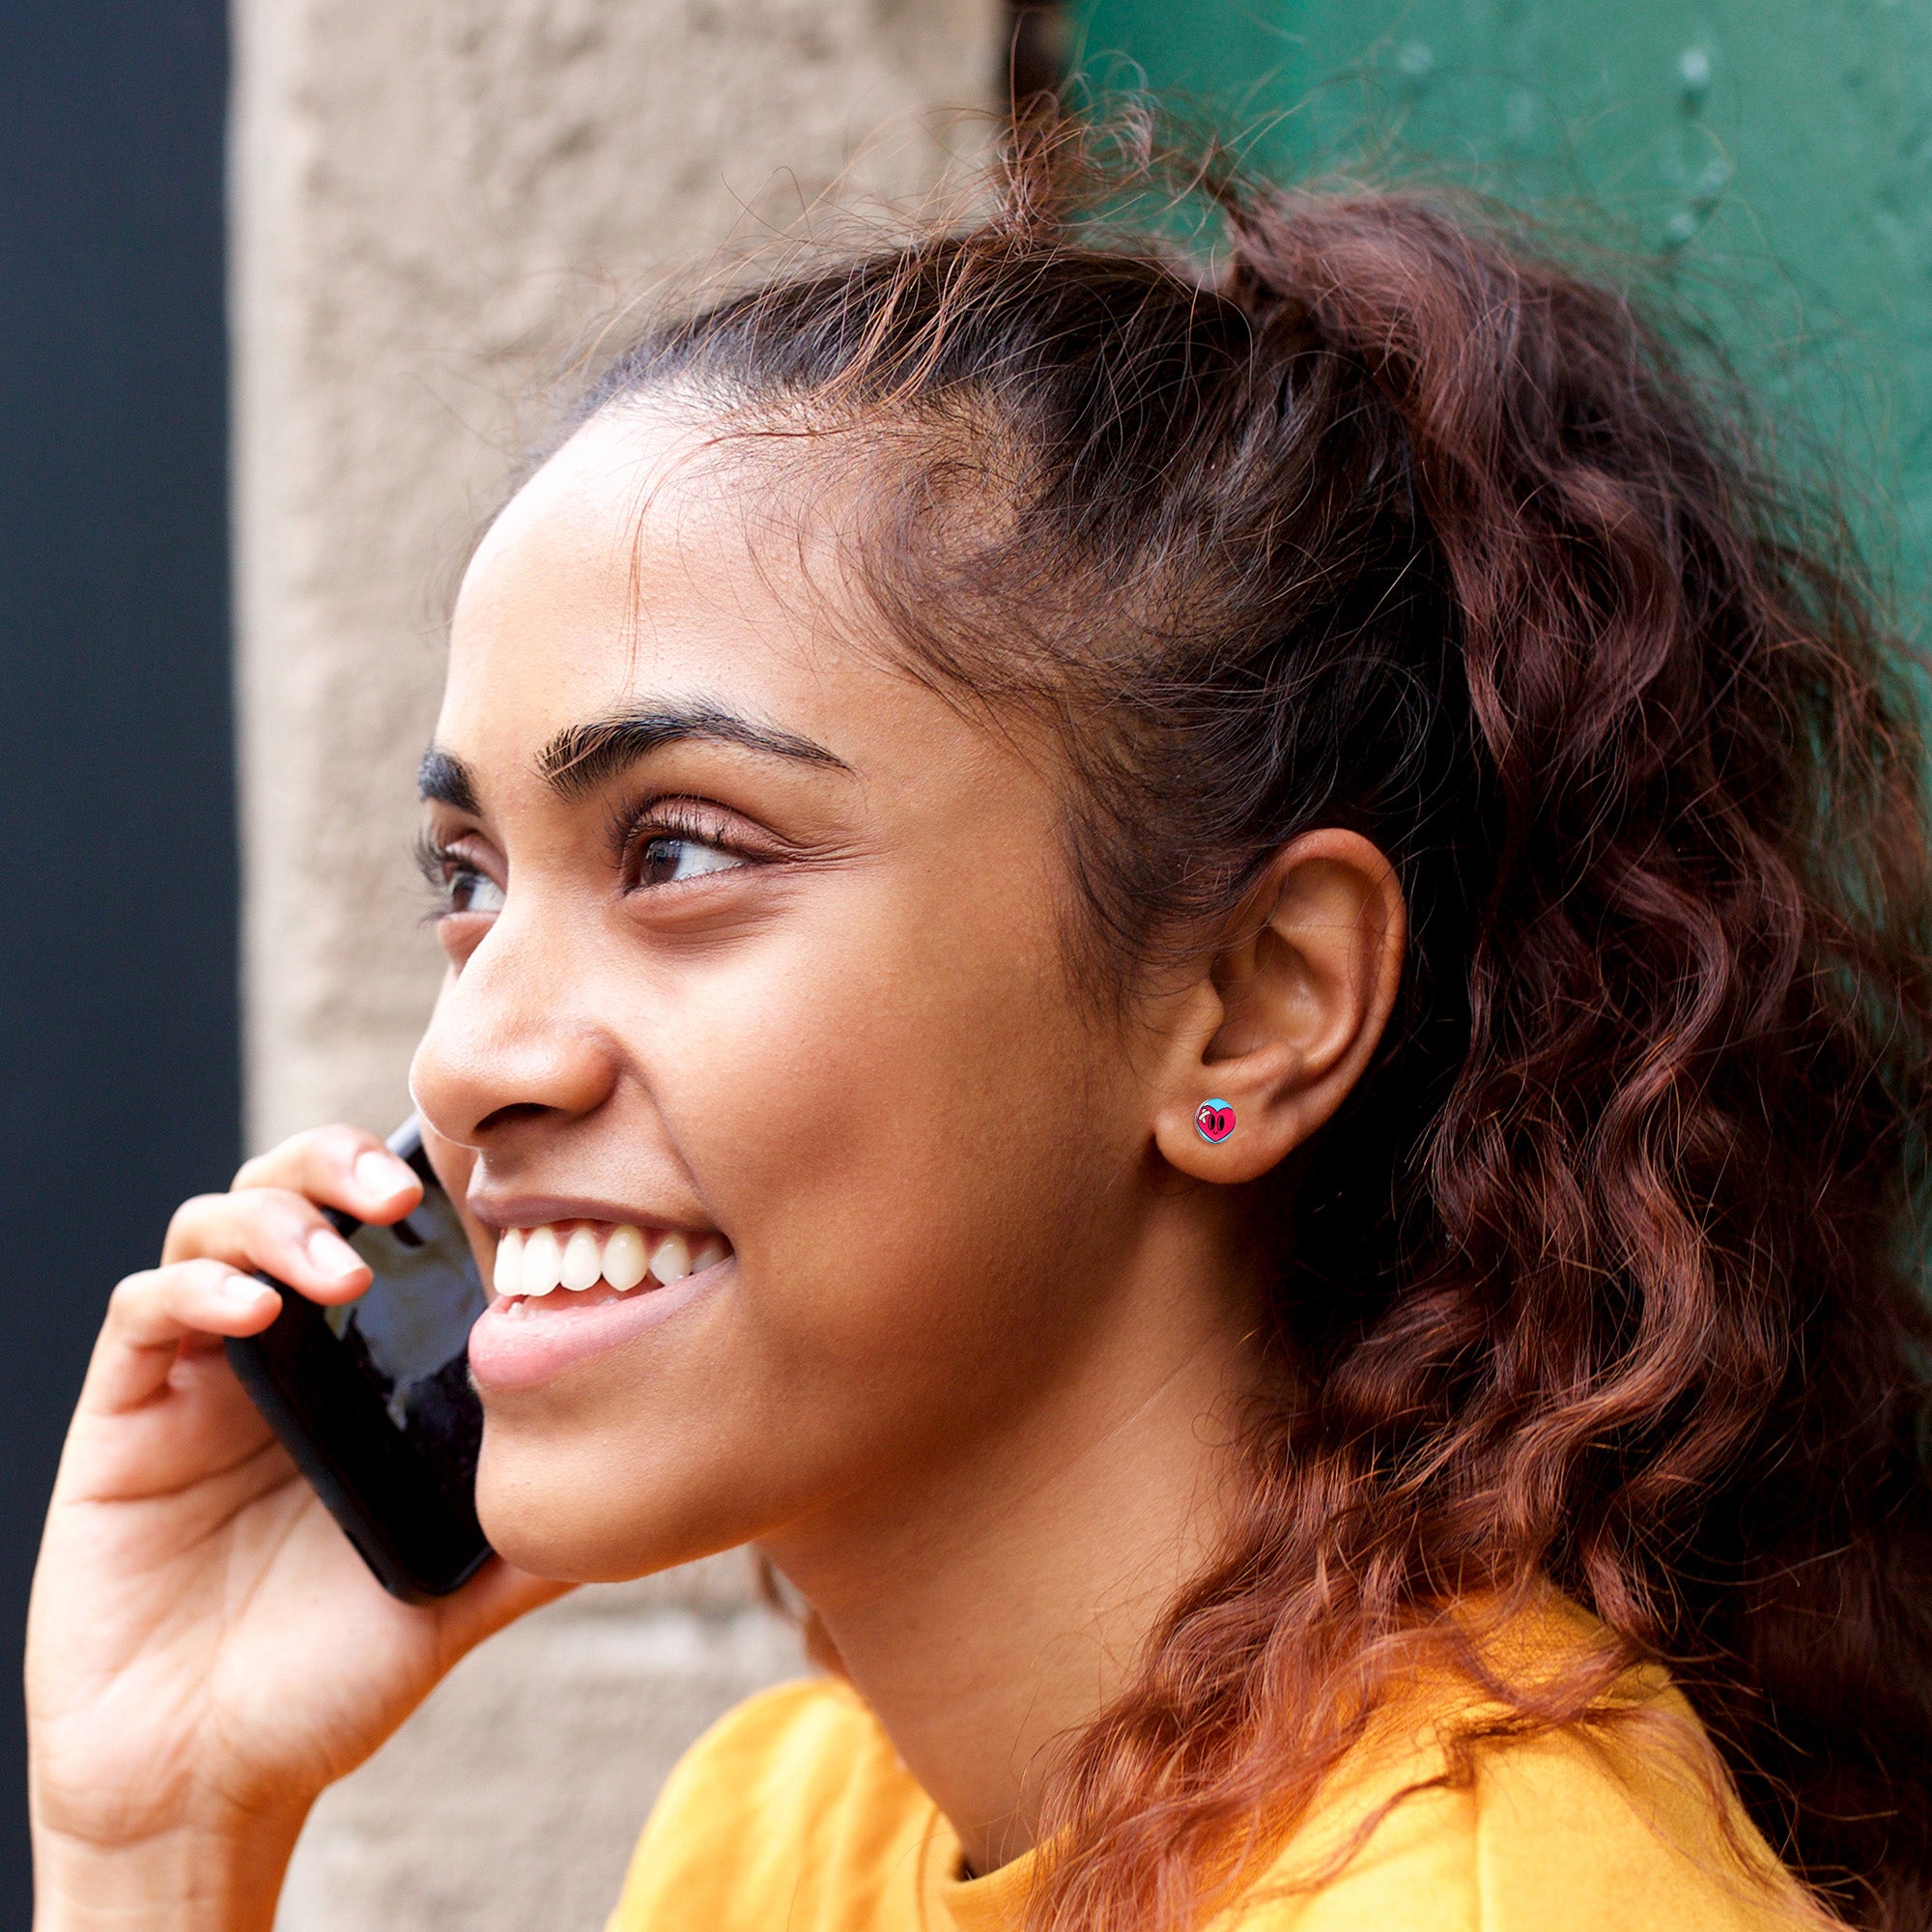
x=373, y=1397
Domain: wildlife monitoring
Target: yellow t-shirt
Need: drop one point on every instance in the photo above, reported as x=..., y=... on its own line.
x=793, y=1814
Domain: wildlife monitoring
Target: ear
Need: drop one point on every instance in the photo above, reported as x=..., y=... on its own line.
x=1287, y=1014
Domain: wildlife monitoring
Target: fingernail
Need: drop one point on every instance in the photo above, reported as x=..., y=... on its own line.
x=331, y=1254
x=380, y=1175
x=239, y=1292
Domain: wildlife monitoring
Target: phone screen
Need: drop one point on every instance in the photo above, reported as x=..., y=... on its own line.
x=373, y=1398
x=407, y=1337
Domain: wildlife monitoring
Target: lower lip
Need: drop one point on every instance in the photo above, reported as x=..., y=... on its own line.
x=510, y=1351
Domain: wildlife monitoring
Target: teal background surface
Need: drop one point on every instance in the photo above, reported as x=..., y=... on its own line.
x=1768, y=162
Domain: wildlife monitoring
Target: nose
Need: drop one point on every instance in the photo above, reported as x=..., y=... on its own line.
x=510, y=1041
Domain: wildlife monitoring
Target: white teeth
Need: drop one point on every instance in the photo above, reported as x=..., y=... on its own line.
x=624, y=1258
x=543, y=1260
x=670, y=1260
x=535, y=1260
x=582, y=1264
x=509, y=1278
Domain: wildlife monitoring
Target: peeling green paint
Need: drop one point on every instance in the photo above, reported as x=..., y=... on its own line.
x=1772, y=156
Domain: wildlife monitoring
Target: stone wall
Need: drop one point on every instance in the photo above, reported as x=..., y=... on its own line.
x=437, y=206
x=435, y=203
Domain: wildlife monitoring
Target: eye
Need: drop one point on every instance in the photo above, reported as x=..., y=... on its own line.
x=668, y=858
x=466, y=889
x=458, y=883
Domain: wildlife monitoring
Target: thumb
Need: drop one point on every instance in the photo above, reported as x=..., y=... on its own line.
x=496, y=1596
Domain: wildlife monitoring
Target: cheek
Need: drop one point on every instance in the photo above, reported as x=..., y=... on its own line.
x=895, y=1138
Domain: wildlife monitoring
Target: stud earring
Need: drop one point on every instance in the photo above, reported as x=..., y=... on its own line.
x=1214, y=1119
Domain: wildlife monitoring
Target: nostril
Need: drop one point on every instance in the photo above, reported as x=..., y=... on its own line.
x=507, y=1116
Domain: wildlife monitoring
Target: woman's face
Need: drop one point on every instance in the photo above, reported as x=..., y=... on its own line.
x=754, y=940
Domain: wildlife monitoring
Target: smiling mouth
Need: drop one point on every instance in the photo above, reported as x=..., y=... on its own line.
x=586, y=1260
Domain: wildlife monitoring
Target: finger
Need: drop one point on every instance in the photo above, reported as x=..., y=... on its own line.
x=344, y=1167
x=282, y=1233
x=150, y=1314
x=200, y=1442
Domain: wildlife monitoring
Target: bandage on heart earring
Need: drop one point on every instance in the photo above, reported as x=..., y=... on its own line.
x=1214, y=1119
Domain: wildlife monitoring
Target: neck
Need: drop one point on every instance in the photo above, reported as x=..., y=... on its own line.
x=992, y=1608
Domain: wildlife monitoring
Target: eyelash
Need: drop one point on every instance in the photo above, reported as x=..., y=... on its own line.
x=442, y=866
x=633, y=831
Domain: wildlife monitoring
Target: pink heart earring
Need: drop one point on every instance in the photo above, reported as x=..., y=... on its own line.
x=1214, y=1119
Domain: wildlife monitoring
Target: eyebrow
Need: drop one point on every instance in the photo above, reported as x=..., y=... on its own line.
x=444, y=778
x=581, y=756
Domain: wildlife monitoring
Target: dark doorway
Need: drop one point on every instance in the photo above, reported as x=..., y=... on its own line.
x=119, y=1076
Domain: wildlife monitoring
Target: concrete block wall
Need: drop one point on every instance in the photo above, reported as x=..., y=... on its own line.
x=437, y=206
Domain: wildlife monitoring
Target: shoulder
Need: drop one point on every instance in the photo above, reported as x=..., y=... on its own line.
x=795, y=1791
x=813, y=1740
x=1571, y=1831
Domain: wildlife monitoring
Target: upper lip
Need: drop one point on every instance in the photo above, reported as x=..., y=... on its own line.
x=536, y=1211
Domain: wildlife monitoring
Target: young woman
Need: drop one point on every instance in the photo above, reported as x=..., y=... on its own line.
x=1268, y=936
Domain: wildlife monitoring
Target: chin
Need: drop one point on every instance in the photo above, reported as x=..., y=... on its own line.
x=546, y=1530
x=547, y=1515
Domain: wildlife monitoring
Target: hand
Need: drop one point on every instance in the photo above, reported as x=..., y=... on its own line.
x=205, y=1648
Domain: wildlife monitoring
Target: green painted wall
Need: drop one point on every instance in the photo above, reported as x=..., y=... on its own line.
x=1773, y=158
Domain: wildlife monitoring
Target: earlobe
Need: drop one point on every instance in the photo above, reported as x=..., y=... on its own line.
x=1290, y=1013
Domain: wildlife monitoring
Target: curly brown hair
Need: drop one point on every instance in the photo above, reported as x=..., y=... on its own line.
x=1606, y=1276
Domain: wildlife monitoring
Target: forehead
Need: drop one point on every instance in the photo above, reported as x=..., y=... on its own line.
x=647, y=559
